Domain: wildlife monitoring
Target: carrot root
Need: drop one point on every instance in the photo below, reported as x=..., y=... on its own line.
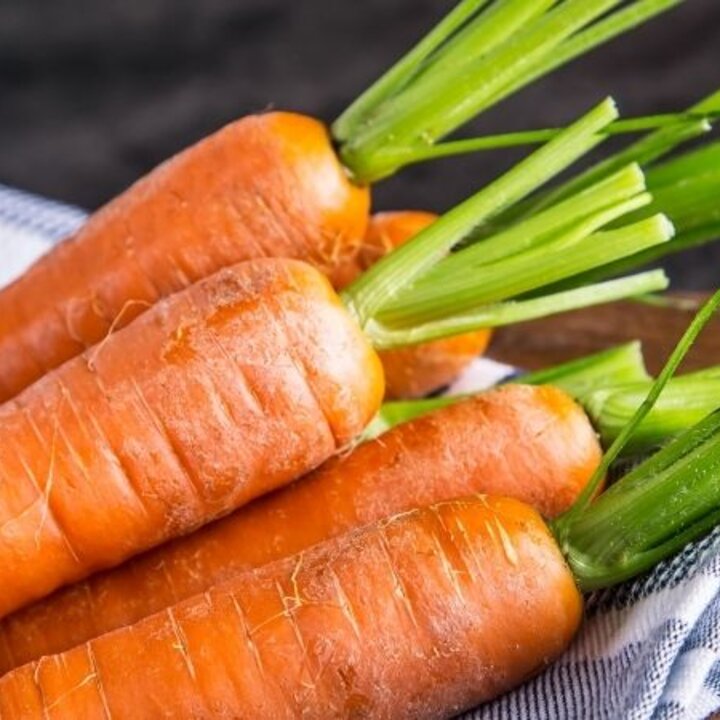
x=531, y=443
x=422, y=616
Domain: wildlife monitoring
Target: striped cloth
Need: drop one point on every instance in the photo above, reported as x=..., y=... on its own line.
x=648, y=650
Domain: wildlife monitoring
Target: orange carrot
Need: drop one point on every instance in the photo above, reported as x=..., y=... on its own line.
x=250, y=379
x=548, y=451
x=420, y=616
x=274, y=185
x=417, y=370
x=220, y=393
x=266, y=185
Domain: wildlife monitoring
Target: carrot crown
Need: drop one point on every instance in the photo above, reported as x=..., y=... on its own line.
x=652, y=512
x=480, y=53
x=444, y=282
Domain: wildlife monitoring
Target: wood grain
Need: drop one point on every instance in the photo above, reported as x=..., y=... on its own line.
x=552, y=340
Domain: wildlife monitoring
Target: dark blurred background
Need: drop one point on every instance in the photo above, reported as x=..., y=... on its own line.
x=94, y=93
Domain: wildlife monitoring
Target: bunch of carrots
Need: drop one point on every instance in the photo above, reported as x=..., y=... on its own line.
x=205, y=508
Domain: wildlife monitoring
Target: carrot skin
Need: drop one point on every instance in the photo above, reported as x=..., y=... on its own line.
x=267, y=185
x=532, y=443
x=422, y=616
x=220, y=393
x=417, y=370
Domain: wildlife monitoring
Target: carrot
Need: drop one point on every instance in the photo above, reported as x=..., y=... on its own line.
x=422, y=615
x=139, y=435
x=417, y=370
x=266, y=185
x=216, y=395
x=419, y=616
x=549, y=452
x=274, y=185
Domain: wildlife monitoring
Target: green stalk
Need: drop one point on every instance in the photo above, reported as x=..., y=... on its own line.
x=563, y=257
x=653, y=511
x=682, y=241
x=384, y=337
x=685, y=401
x=491, y=29
x=645, y=152
x=480, y=53
x=398, y=76
x=536, y=137
x=579, y=215
x=582, y=42
x=400, y=268
x=695, y=162
x=687, y=189
x=425, y=291
x=412, y=118
x=676, y=357
x=623, y=364
x=401, y=411
x=620, y=365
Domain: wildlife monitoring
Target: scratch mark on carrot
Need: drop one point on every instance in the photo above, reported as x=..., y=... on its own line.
x=50, y=477
x=507, y=544
x=447, y=567
x=92, y=359
x=98, y=680
x=293, y=579
x=90, y=677
x=344, y=603
x=181, y=644
x=41, y=692
x=250, y=642
x=400, y=591
x=468, y=543
x=491, y=532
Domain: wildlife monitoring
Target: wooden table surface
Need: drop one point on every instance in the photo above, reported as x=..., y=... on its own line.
x=545, y=342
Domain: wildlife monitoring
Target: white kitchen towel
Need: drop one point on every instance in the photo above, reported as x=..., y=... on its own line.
x=649, y=649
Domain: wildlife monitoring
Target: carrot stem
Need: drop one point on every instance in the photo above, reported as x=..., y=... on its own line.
x=392, y=302
x=605, y=29
x=405, y=264
x=654, y=511
x=566, y=255
x=619, y=365
x=667, y=501
x=687, y=189
x=599, y=205
x=478, y=55
x=398, y=75
x=616, y=366
x=684, y=402
x=645, y=152
x=536, y=137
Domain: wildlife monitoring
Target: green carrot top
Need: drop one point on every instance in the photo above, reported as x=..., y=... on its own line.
x=443, y=282
x=651, y=513
x=480, y=53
